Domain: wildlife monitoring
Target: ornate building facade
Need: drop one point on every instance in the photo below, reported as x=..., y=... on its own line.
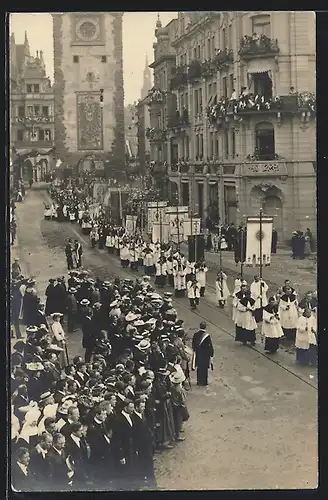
x=89, y=96
x=244, y=135
x=31, y=113
x=131, y=132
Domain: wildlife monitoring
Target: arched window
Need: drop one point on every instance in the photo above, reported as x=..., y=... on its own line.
x=264, y=138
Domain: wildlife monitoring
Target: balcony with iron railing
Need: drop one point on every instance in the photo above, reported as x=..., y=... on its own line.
x=33, y=144
x=156, y=96
x=303, y=102
x=179, y=78
x=33, y=120
x=155, y=134
x=194, y=71
x=257, y=46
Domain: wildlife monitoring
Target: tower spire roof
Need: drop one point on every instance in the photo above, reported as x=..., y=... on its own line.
x=158, y=22
x=146, y=80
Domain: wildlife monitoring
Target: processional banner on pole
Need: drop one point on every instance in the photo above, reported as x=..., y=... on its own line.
x=160, y=232
x=130, y=224
x=191, y=227
x=89, y=121
x=176, y=217
x=254, y=238
x=156, y=213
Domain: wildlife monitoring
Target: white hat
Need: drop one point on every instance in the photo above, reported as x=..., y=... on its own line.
x=85, y=302
x=143, y=345
x=34, y=367
x=146, y=278
x=151, y=321
x=177, y=377
x=114, y=304
x=139, y=322
x=132, y=316
x=155, y=296
x=56, y=314
x=31, y=329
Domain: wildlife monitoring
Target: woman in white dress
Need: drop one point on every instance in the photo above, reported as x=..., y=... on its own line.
x=271, y=328
x=288, y=313
x=59, y=338
x=222, y=290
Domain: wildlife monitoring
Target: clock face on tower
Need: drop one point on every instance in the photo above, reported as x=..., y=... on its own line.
x=87, y=30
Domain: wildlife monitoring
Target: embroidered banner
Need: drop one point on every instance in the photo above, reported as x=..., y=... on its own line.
x=191, y=227
x=89, y=121
x=156, y=213
x=130, y=224
x=177, y=216
x=254, y=236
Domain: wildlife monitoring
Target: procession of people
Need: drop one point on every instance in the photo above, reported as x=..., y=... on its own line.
x=97, y=420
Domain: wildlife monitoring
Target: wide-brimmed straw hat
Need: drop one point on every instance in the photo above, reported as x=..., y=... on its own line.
x=177, y=377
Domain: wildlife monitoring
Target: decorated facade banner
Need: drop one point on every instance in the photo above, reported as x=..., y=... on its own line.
x=176, y=217
x=160, y=232
x=156, y=213
x=191, y=227
x=259, y=238
x=130, y=224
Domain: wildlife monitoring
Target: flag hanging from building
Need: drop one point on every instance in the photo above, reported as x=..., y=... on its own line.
x=258, y=239
x=156, y=213
x=130, y=224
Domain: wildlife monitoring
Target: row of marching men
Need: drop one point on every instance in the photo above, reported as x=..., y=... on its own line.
x=283, y=317
x=164, y=261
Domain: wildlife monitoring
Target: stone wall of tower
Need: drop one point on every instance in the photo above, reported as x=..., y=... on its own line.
x=71, y=78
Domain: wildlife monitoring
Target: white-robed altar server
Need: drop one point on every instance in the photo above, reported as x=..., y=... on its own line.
x=221, y=287
x=271, y=328
x=288, y=313
x=190, y=269
x=259, y=290
x=245, y=320
x=160, y=272
x=201, y=271
x=193, y=291
x=124, y=254
x=148, y=260
x=240, y=285
x=179, y=279
x=306, y=339
x=134, y=255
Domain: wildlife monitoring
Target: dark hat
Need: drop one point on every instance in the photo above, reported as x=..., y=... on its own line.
x=52, y=280
x=19, y=345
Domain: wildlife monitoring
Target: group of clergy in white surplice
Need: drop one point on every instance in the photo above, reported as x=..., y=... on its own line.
x=282, y=317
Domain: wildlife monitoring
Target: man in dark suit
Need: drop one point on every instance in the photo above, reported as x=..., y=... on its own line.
x=73, y=416
x=22, y=479
x=39, y=466
x=60, y=474
x=69, y=255
x=125, y=445
x=101, y=447
x=72, y=310
x=88, y=339
x=203, y=353
x=78, y=456
x=144, y=444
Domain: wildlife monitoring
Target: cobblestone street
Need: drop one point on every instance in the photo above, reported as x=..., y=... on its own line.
x=255, y=426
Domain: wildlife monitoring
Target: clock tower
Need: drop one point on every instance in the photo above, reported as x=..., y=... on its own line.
x=88, y=83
